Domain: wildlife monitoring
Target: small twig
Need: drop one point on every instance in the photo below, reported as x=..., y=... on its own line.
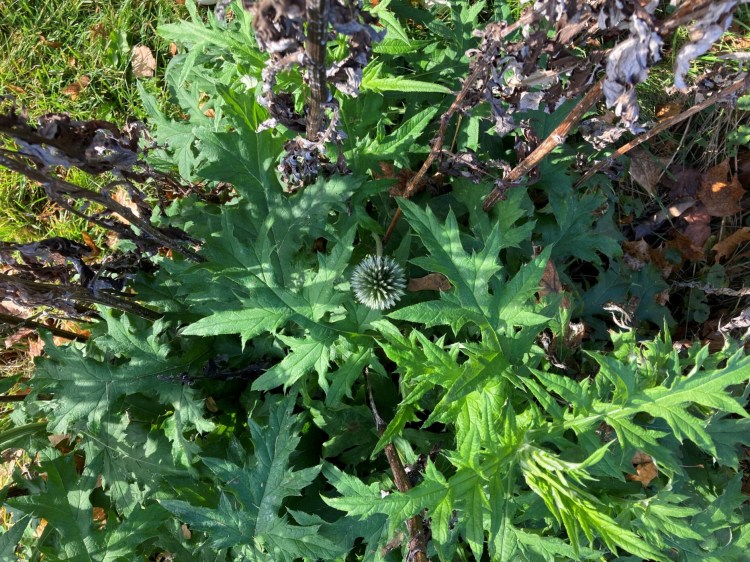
x=555, y=138
x=26, y=323
x=49, y=293
x=415, y=525
x=711, y=290
x=685, y=13
x=22, y=397
x=666, y=124
x=315, y=50
x=480, y=70
x=58, y=189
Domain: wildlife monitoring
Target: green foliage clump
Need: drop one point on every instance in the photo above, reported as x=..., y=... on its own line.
x=243, y=415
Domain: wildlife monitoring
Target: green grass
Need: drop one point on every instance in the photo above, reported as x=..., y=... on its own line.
x=47, y=47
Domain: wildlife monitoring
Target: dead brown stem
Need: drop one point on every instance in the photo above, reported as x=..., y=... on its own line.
x=417, y=540
x=315, y=49
x=49, y=293
x=22, y=397
x=556, y=138
x=60, y=191
x=666, y=124
x=26, y=323
x=480, y=70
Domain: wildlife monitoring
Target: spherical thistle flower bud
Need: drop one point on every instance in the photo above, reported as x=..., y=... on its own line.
x=378, y=282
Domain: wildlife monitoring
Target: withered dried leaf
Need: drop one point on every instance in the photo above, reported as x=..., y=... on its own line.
x=50, y=44
x=702, y=34
x=142, y=61
x=636, y=254
x=725, y=248
x=551, y=284
x=721, y=196
x=645, y=468
x=645, y=170
x=688, y=249
x=74, y=90
x=430, y=282
x=627, y=66
x=600, y=133
x=699, y=224
x=668, y=110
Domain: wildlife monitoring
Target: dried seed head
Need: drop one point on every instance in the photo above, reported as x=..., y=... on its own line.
x=378, y=282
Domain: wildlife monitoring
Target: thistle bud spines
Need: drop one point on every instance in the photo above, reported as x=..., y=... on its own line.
x=378, y=282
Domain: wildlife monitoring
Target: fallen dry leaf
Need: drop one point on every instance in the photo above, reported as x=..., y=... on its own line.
x=645, y=169
x=47, y=43
x=645, y=469
x=430, y=282
x=662, y=298
x=551, y=284
x=550, y=281
x=743, y=168
x=121, y=196
x=15, y=89
x=74, y=90
x=99, y=515
x=36, y=346
x=172, y=49
x=143, y=62
x=687, y=249
x=9, y=307
x=724, y=248
x=668, y=110
x=95, y=251
x=698, y=228
x=574, y=334
x=17, y=336
x=683, y=183
x=99, y=30
x=720, y=195
x=636, y=254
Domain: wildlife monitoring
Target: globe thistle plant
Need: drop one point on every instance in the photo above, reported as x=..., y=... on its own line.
x=378, y=282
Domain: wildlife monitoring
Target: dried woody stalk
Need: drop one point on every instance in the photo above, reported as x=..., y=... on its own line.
x=44, y=274
x=315, y=46
x=627, y=64
x=480, y=72
x=731, y=90
x=295, y=32
x=65, y=194
x=417, y=548
x=31, y=324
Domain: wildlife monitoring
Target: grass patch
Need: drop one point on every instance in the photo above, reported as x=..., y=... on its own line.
x=72, y=56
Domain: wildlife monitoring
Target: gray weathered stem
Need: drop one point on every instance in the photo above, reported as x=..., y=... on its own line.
x=50, y=293
x=58, y=190
x=315, y=47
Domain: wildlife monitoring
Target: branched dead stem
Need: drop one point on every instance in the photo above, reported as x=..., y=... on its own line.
x=28, y=323
x=556, y=138
x=417, y=550
x=60, y=191
x=665, y=124
x=480, y=71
